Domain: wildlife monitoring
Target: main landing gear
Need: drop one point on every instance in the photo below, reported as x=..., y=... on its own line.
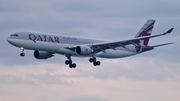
x=73, y=65
x=70, y=63
x=95, y=63
x=22, y=52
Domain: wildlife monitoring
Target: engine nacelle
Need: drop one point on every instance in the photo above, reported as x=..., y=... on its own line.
x=42, y=54
x=83, y=50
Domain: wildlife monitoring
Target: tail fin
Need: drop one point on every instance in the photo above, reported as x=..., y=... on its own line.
x=145, y=31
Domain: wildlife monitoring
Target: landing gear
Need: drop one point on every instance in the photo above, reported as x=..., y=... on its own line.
x=92, y=60
x=73, y=65
x=95, y=63
x=22, y=52
x=70, y=63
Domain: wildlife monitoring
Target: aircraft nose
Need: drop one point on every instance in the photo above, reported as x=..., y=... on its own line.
x=9, y=40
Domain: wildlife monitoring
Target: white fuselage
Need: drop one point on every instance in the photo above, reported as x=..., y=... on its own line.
x=60, y=43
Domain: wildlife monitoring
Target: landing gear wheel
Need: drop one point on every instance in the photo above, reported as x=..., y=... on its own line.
x=68, y=62
x=94, y=59
x=90, y=60
x=72, y=65
x=98, y=63
x=22, y=54
x=94, y=63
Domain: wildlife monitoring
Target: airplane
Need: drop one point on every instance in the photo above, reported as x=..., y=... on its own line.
x=46, y=45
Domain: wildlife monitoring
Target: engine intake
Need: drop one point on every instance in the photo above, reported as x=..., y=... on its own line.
x=83, y=50
x=42, y=54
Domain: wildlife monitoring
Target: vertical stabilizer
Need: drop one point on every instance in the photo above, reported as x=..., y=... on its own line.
x=145, y=31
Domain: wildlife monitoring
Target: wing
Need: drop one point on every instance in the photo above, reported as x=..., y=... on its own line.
x=97, y=47
x=112, y=45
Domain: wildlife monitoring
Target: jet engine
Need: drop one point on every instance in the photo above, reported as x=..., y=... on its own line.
x=42, y=54
x=83, y=50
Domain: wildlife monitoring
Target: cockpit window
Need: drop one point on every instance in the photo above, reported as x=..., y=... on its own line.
x=14, y=35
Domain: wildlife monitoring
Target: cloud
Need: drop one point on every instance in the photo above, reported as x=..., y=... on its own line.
x=114, y=80
x=43, y=99
x=13, y=80
x=86, y=98
x=137, y=68
x=51, y=79
x=34, y=80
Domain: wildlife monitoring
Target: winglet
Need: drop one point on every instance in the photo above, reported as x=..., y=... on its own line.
x=169, y=31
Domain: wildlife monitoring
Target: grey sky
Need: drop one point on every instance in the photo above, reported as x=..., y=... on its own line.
x=150, y=76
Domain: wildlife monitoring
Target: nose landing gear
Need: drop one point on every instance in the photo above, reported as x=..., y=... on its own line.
x=22, y=52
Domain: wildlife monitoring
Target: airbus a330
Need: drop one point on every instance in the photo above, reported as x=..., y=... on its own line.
x=46, y=45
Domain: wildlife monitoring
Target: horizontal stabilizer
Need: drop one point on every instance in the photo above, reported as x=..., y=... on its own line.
x=162, y=44
x=169, y=31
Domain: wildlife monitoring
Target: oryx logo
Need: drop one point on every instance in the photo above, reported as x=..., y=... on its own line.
x=138, y=47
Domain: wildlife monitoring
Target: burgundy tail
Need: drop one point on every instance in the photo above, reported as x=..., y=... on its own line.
x=145, y=31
